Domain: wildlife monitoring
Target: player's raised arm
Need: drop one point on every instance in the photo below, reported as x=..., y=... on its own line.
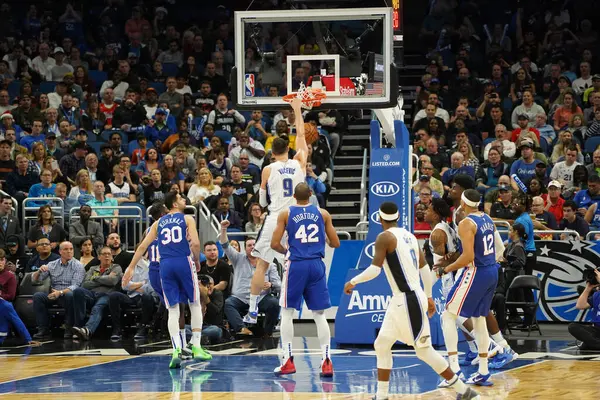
x=279, y=231
x=194, y=239
x=139, y=253
x=384, y=241
x=332, y=236
x=301, y=146
x=466, y=232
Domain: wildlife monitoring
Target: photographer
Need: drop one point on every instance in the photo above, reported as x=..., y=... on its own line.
x=590, y=298
x=213, y=311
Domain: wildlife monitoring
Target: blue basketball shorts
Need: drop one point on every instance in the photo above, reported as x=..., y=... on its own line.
x=472, y=293
x=154, y=278
x=305, y=279
x=179, y=281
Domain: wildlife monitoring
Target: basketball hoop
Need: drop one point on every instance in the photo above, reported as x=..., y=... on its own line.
x=310, y=97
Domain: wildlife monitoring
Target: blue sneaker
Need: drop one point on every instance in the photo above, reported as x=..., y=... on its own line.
x=251, y=317
x=480, y=380
x=501, y=359
x=468, y=360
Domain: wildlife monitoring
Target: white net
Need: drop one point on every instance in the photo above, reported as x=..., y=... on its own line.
x=310, y=96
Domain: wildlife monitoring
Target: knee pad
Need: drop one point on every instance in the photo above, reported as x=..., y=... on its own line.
x=428, y=355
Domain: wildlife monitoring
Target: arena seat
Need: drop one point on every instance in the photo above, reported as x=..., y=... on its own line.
x=98, y=77
x=591, y=144
x=47, y=87
x=170, y=69
x=524, y=282
x=24, y=302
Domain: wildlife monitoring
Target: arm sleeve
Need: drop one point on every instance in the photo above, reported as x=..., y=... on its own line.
x=427, y=278
x=368, y=274
x=262, y=197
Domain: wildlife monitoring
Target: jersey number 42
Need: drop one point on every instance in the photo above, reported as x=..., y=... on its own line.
x=307, y=234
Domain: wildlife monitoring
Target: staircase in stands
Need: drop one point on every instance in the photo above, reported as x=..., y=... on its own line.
x=344, y=199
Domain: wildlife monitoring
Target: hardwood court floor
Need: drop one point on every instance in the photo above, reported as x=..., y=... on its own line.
x=247, y=378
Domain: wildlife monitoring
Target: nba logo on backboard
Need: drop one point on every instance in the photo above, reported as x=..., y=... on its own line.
x=249, y=85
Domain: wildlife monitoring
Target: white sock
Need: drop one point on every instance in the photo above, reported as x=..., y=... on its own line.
x=483, y=366
x=483, y=342
x=383, y=388
x=453, y=361
x=323, y=333
x=173, y=325
x=458, y=385
x=499, y=339
x=472, y=346
x=253, y=303
x=286, y=331
x=196, y=322
x=183, y=337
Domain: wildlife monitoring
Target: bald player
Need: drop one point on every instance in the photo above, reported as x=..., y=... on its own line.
x=308, y=228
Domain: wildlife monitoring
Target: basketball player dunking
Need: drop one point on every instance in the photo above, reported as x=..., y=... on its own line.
x=305, y=274
x=177, y=271
x=279, y=179
x=397, y=252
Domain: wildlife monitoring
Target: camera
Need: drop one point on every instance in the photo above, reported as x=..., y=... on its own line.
x=589, y=275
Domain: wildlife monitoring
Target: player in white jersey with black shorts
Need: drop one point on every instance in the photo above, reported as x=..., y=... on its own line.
x=406, y=318
x=279, y=179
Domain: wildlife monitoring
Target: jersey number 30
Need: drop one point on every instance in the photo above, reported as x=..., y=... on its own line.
x=488, y=245
x=307, y=234
x=173, y=235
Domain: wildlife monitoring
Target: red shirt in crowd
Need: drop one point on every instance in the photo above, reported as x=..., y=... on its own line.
x=556, y=209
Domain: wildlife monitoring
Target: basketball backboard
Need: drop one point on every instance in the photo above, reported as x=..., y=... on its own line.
x=345, y=52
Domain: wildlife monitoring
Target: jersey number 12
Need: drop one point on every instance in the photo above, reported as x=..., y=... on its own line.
x=307, y=234
x=488, y=245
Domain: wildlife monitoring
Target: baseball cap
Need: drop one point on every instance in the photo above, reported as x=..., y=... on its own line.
x=523, y=116
x=68, y=75
x=79, y=146
x=527, y=143
x=58, y=50
x=555, y=184
x=596, y=77
x=51, y=135
x=435, y=80
x=226, y=182
x=151, y=89
x=424, y=178
x=160, y=111
x=82, y=132
x=11, y=242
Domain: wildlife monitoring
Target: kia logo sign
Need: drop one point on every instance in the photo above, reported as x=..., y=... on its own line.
x=375, y=217
x=385, y=189
x=370, y=250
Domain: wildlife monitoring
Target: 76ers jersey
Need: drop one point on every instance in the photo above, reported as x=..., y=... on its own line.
x=484, y=247
x=153, y=254
x=172, y=236
x=281, y=184
x=306, y=233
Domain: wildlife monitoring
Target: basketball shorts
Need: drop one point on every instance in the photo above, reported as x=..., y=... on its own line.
x=179, y=281
x=473, y=291
x=262, y=246
x=305, y=279
x=406, y=319
x=154, y=278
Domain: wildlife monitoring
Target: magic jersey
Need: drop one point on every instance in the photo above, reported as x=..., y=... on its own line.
x=401, y=267
x=306, y=233
x=284, y=177
x=172, y=236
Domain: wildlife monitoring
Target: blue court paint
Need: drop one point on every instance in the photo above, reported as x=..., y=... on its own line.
x=251, y=373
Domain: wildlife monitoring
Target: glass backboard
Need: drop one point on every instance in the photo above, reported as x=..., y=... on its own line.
x=345, y=52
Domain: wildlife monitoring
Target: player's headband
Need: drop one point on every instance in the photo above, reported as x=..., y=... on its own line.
x=389, y=217
x=470, y=203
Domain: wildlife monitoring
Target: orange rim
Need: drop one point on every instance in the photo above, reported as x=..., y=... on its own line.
x=318, y=97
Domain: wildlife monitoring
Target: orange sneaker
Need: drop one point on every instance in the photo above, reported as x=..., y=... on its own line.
x=287, y=368
x=327, y=368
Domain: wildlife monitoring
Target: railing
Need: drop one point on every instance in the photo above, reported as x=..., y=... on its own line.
x=590, y=234
x=130, y=226
x=34, y=203
x=364, y=189
x=557, y=232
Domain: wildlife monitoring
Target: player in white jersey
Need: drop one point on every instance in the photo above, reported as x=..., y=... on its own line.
x=279, y=179
x=406, y=318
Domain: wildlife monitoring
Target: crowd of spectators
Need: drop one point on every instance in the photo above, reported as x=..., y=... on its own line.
x=108, y=103
x=511, y=97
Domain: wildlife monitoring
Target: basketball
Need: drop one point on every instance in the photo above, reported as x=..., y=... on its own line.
x=311, y=133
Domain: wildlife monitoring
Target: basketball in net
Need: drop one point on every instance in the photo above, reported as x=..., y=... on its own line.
x=311, y=97
x=311, y=133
